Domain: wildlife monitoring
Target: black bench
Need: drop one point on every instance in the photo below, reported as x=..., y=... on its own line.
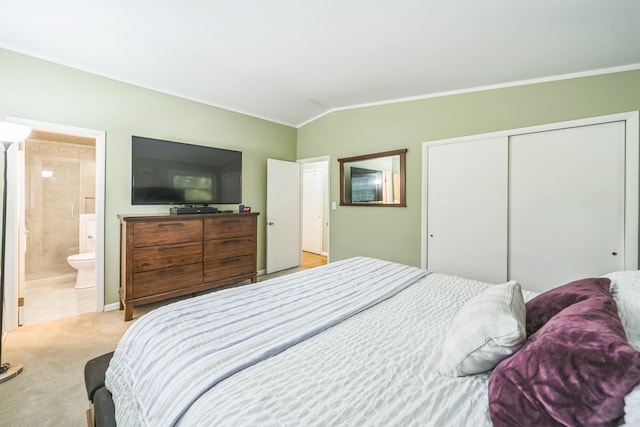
x=102, y=412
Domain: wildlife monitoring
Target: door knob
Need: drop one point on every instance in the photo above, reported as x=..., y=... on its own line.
x=270, y=223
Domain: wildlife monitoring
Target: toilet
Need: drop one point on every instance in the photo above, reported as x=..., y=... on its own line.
x=85, y=261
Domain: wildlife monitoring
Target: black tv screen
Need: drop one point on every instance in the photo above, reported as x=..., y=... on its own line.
x=167, y=173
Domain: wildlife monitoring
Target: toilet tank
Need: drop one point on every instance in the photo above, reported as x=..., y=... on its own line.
x=87, y=233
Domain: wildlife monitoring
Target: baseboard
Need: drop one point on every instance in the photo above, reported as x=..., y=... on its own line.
x=111, y=307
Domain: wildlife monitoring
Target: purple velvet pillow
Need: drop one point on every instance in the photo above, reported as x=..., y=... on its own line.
x=546, y=305
x=575, y=370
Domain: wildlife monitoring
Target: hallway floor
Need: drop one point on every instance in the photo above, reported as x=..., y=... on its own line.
x=55, y=298
x=310, y=260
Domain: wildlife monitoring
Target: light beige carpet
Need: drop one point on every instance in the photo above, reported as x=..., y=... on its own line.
x=50, y=390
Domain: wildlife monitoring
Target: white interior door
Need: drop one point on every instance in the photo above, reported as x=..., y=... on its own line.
x=567, y=204
x=22, y=233
x=283, y=215
x=312, y=210
x=467, y=209
x=15, y=160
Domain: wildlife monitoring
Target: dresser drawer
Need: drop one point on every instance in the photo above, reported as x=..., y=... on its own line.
x=159, y=257
x=232, y=226
x=229, y=267
x=166, y=280
x=154, y=233
x=226, y=248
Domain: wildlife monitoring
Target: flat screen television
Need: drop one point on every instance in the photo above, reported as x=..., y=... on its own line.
x=175, y=173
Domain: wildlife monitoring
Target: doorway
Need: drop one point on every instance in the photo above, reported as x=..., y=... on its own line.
x=286, y=197
x=51, y=271
x=315, y=212
x=60, y=179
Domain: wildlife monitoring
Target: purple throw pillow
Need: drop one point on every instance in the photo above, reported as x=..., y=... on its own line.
x=575, y=370
x=546, y=305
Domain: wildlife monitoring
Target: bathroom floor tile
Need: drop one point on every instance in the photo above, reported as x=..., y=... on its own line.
x=56, y=298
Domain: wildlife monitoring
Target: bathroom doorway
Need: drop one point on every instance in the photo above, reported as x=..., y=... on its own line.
x=16, y=242
x=60, y=200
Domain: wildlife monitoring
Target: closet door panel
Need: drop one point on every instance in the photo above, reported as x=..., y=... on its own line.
x=467, y=209
x=566, y=204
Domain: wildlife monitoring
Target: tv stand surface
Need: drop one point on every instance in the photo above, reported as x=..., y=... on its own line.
x=165, y=256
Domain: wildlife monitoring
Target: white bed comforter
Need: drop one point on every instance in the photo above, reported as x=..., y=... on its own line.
x=169, y=358
x=374, y=369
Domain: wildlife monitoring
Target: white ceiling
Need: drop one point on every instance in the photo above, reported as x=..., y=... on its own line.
x=291, y=61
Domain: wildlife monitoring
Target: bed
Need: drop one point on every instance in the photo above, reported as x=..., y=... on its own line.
x=369, y=342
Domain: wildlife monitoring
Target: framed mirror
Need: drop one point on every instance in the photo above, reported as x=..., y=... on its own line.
x=373, y=179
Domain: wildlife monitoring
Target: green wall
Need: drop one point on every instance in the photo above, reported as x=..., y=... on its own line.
x=394, y=233
x=42, y=91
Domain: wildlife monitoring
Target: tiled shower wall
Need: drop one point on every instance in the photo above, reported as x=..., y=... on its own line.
x=59, y=186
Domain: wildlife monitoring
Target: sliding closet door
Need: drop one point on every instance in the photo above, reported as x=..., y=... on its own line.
x=467, y=209
x=566, y=204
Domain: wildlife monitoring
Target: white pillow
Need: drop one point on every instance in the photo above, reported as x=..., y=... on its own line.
x=488, y=328
x=632, y=407
x=625, y=290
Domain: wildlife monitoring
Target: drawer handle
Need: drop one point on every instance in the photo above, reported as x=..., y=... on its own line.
x=233, y=241
x=173, y=271
x=179, y=247
x=172, y=224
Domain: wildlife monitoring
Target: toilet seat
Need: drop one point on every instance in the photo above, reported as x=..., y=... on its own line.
x=87, y=256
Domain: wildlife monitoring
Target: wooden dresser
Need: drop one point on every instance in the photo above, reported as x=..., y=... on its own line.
x=165, y=256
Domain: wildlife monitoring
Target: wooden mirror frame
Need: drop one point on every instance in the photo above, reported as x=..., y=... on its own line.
x=402, y=180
